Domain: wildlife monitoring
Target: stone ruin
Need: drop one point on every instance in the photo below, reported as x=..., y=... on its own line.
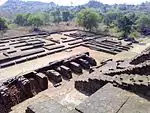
x=131, y=75
x=104, y=88
x=145, y=55
x=20, y=88
x=26, y=85
x=134, y=76
x=113, y=85
x=19, y=49
x=107, y=45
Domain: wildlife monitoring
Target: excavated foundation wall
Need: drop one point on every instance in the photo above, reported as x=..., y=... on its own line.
x=145, y=55
x=15, y=90
x=141, y=69
x=89, y=87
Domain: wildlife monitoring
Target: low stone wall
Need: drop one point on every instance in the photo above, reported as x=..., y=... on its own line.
x=141, y=57
x=20, y=88
x=141, y=69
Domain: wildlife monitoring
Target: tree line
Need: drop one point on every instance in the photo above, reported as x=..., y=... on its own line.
x=129, y=24
x=43, y=18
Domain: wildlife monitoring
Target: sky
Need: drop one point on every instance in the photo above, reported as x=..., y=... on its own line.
x=79, y=2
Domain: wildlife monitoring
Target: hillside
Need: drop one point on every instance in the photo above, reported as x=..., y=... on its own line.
x=13, y=7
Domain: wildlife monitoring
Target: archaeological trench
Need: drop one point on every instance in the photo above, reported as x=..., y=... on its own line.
x=111, y=86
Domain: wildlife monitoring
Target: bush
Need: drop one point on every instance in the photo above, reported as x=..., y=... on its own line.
x=134, y=34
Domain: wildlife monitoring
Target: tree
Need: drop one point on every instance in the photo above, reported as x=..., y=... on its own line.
x=111, y=17
x=3, y=26
x=124, y=24
x=22, y=19
x=45, y=17
x=132, y=16
x=143, y=24
x=88, y=18
x=66, y=16
x=56, y=16
x=35, y=21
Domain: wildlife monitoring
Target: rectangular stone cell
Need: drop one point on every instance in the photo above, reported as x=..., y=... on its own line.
x=91, y=60
x=69, y=40
x=42, y=54
x=108, y=99
x=7, y=64
x=31, y=57
x=65, y=71
x=35, y=42
x=25, y=53
x=75, y=42
x=49, y=44
x=54, y=76
x=54, y=47
x=26, y=48
x=25, y=86
x=112, y=42
x=3, y=57
x=75, y=67
x=91, y=46
x=2, y=45
x=32, y=52
x=42, y=80
x=38, y=45
x=20, y=45
x=111, y=47
x=85, y=64
x=4, y=48
x=11, y=51
x=17, y=42
x=20, y=60
x=4, y=41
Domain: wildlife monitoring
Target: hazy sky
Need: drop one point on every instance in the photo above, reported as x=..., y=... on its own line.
x=78, y=2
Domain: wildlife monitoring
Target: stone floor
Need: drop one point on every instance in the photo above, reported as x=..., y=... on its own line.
x=110, y=99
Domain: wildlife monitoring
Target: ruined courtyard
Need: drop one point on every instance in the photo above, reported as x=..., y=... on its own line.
x=74, y=71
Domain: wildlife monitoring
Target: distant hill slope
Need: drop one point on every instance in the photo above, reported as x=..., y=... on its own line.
x=13, y=7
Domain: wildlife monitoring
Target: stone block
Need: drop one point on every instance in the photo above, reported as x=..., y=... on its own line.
x=85, y=64
x=54, y=76
x=25, y=86
x=65, y=71
x=42, y=80
x=75, y=67
x=91, y=60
